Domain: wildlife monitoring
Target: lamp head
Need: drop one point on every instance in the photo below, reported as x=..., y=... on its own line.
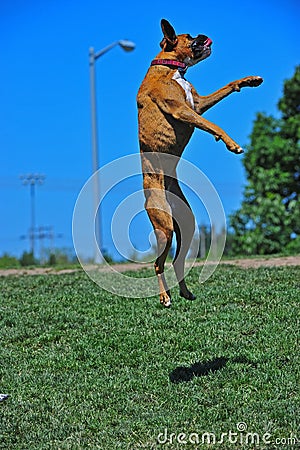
x=126, y=45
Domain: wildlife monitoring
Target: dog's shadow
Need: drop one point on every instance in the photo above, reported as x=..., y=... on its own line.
x=184, y=374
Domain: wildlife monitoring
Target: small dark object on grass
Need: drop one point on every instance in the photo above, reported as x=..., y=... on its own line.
x=3, y=397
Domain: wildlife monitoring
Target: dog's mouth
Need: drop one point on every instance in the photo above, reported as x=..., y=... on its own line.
x=201, y=47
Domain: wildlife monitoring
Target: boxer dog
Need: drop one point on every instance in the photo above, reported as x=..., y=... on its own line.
x=169, y=109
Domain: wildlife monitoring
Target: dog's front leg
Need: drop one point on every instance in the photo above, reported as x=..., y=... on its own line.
x=203, y=103
x=188, y=115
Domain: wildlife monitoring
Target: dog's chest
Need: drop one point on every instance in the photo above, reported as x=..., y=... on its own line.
x=186, y=86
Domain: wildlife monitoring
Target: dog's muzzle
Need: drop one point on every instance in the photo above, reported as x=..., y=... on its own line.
x=201, y=46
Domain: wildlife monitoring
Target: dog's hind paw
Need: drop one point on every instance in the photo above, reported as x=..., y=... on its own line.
x=166, y=303
x=165, y=300
x=188, y=295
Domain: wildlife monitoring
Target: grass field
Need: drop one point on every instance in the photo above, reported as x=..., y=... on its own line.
x=88, y=370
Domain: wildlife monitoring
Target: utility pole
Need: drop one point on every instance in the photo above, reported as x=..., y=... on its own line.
x=31, y=180
x=46, y=232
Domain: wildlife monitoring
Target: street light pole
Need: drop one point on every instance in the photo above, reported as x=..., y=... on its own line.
x=95, y=160
x=127, y=46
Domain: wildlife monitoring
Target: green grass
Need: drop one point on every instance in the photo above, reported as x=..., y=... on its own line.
x=89, y=370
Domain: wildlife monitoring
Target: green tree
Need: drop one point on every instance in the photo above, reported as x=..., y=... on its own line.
x=8, y=262
x=27, y=259
x=269, y=217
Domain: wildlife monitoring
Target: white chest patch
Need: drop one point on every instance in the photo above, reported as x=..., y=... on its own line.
x=185, y=85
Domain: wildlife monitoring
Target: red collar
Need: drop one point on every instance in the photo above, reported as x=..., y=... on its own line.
x=169, y=62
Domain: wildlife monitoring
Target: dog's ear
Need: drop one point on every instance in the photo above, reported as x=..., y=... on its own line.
x=170, y=39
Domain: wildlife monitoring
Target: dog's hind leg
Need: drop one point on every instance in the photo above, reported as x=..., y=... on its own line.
x=164, y=241
x=184, y=227
x=160, y=215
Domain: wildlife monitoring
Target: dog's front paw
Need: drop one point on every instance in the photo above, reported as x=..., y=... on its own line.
x=251, y=81
x=234, y=148
x=238, y=150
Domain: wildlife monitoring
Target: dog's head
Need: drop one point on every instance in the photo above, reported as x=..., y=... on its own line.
x=186, y=48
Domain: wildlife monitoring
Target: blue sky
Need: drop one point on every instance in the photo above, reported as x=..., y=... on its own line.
x=45, y=100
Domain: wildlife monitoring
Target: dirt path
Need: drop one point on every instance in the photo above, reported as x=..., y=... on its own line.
x=35, y=271
x=244, y=263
